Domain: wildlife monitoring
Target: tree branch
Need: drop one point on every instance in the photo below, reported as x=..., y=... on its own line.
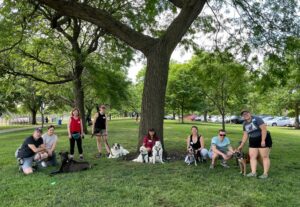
x=104, y=20
x=189, y=12
x=36, y=58
x=177, y=3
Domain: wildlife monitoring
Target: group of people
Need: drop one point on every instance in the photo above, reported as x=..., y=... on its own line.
x=38, y=147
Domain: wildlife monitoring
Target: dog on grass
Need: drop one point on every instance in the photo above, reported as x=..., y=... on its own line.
x=157, y=153
x=191, y=157
x=70, y=165
x=242, y=159
x=143, y=156
x=117, y=151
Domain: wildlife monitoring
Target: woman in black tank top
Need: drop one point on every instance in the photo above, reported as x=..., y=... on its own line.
x=100, y=130
x=196, y=141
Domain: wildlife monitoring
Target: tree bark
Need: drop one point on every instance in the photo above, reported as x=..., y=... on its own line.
x=79, y=99
x=33, y=116
x=205, y=116
x=223, y=121
x=153, y=101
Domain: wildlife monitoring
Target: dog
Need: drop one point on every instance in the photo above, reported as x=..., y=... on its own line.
x=191, y=157
x=143, y=156
x=70, y=165
x=157, y=153
x=117, y=151
x=242, y=159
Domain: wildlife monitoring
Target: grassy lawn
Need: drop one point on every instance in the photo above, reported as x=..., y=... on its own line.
x=124, y=183
x=13, y=126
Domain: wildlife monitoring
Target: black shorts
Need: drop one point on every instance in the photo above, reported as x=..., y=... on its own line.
x=255, y=142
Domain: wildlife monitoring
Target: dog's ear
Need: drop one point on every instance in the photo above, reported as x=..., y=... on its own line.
x=118, y=145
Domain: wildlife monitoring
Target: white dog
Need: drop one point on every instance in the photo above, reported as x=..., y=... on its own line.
x=117, y=151
x=157, y=153
x=143, y=156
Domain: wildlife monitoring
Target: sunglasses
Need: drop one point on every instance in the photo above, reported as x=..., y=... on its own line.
x=103, y=108
x=222, y=135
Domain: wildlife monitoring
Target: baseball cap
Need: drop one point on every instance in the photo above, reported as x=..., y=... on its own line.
x=244, y=110
x=38, y=129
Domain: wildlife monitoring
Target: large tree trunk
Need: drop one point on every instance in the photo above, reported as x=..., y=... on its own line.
x=223, y=121
x=297, y=116
x=153, y=101
x=33, y=116
x=79, y=100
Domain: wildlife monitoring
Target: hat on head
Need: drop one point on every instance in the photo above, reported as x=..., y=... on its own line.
x=38, y=130
x=244, y=110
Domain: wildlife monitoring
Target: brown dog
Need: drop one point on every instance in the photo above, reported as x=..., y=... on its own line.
x=242, y=159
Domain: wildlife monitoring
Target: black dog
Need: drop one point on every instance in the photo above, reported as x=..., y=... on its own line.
x=70, y=165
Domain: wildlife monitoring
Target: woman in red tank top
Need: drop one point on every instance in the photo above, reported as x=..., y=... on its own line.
x=75, y=131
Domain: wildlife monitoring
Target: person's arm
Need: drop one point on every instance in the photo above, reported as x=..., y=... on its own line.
x=244, y=139
x=187, y=143
x=69, y=130
x=215, y=150
x=106, y=126
x=230, y=149
x=41, y=148
x=201, y=143
x=93, y=122
x=54, y=145
x=263, y=128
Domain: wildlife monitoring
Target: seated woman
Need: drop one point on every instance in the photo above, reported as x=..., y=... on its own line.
x=149, y=140
x=31, y=150
x=196, y=141
x=220, y=148
x=50, y=140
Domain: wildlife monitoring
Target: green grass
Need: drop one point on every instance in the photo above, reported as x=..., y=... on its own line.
x=124, y=183
x=14, y=126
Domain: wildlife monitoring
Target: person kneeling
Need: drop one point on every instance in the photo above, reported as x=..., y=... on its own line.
x=220, y=148
x=31, y=150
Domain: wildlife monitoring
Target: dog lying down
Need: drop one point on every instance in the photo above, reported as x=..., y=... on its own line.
x=70, y=165
x=157, y=153
x=117, y=151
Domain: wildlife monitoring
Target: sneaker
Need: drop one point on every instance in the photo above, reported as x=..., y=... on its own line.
x=211, y=166
x=81, y=157
x=224, y=164
x=20, y=161
x=263, y=176
x=71, y=157
x=99, y=155
x=251, y=174
x=43, y=164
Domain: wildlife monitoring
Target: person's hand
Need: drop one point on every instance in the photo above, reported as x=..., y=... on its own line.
x=82, y=136
x=70, y=137
x=263, y=143
x=239, y=148
x=49, y=153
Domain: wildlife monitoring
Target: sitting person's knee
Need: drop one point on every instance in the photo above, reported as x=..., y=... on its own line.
x=27, y=171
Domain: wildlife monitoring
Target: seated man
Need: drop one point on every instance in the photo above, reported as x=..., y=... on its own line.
x=50, y=140
x=220, y=147
x=31, y=150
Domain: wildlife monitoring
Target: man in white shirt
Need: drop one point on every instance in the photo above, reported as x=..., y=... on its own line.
x=50, y=140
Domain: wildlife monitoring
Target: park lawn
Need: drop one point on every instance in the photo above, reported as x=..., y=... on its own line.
x=124, y=183
x=4, y=127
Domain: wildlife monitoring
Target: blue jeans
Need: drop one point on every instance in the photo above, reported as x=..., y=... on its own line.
x=52, y=160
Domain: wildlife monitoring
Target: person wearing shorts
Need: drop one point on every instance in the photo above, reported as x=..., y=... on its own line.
x=99, y=129
x=220, y=148
x=260, y=142
x=32, y=149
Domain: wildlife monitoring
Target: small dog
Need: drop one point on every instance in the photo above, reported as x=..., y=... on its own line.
x=70, y=165
x=117, y=151
x=191, y=157
x=143, y=156
x=157, y=153
x=242, y=159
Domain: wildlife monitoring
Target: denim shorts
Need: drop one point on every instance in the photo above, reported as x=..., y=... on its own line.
x=27, y=162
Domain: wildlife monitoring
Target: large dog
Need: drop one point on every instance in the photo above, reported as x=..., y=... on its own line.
x=191, y=157
x=157, y=153
x=242, y=159
x=143, y=156
x=117, y=151
x=70, y=165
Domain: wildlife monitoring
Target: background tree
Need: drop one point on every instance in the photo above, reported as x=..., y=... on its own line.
x=221, y=79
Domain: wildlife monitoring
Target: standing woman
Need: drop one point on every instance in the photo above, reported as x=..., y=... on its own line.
x=100, y=130
x=260, y=142
x=149, y=140
x=196, y=141
x=75, y=130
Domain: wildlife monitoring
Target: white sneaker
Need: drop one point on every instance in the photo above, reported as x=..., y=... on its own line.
x=43, y=163
x=224, y=164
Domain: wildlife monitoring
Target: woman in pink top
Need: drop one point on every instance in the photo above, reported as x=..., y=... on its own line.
x=149, y=140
